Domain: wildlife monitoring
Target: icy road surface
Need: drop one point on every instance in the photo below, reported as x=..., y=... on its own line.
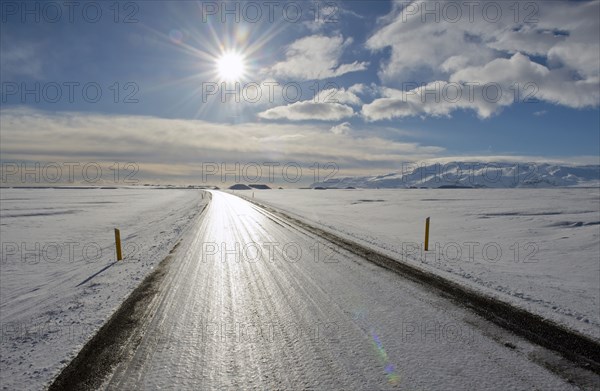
x=535, y=248
x=279, y=309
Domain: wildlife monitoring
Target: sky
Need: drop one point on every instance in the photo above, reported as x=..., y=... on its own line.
x=186, y=91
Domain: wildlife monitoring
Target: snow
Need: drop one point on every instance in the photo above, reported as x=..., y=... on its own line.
x=54, y=241
x=389, y=332
x=474, y=174
x=549, y=239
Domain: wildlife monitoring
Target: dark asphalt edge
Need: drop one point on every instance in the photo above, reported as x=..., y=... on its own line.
x=570, y=344
x=116, y=340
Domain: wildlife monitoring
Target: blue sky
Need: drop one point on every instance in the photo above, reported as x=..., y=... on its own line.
x=361, y=69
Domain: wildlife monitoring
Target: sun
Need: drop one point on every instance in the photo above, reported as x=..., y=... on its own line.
x=231, y=66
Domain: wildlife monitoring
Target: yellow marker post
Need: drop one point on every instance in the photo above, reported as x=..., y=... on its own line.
x=427, y=234
x=118, y=244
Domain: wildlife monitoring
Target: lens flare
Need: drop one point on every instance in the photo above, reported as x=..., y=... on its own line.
x=176, y=36
x=390, y=370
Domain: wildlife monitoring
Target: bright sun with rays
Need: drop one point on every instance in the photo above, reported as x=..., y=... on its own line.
x=231, y=66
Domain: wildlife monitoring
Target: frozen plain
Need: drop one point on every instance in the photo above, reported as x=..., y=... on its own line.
x=536, y=248
x=55, y=239
x=46, y=317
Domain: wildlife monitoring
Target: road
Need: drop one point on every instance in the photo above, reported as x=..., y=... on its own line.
x=254, y=302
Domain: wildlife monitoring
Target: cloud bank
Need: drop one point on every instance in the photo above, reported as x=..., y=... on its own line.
x=182, y=146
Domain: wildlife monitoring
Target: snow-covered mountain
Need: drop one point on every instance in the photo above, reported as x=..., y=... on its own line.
x=474, y=174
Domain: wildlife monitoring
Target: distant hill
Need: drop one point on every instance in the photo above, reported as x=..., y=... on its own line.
x=474, y=175
x=239, y=186
x=260, y=187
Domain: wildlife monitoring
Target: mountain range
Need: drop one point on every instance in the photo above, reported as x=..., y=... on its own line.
x=474, y=175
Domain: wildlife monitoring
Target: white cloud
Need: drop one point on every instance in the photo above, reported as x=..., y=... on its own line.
x=422, y=47
x=485, y=90
x=332, y=104
x=475, y=49
x=21, y=59
x=338, y=95
x=327, y=16
x=551, y=85
x=309, y=110
x=343, y=128
x=315, y=57
x=358, y=89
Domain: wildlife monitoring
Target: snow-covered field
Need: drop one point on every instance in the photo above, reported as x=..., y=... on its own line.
x=538, y=248
x=54, y=242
